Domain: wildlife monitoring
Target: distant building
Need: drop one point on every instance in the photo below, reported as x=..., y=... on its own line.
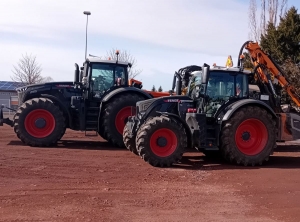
x=8, y=94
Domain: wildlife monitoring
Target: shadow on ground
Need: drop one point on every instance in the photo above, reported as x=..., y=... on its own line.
x=197, y=162
x=75, y=144
x=193, y=160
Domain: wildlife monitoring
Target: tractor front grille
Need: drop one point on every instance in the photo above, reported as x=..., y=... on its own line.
x=21, y=93
x=20, y=97
x=143, y=105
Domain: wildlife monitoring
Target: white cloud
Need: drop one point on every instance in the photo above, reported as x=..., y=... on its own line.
x=169, y=34
x=206, y=26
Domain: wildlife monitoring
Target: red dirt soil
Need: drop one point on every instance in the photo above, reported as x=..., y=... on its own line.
x=84, y=179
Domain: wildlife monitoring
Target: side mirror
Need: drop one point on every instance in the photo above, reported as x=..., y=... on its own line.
x=80, y=76
x=178, y=82
x=76, y=74
x=205, y=73
x=174, y=81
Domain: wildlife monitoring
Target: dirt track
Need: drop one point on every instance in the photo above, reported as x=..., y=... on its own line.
x=90, y=181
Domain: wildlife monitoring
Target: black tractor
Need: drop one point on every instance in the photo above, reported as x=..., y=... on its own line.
x=100, y=99
x=181, y=81
x=218, y=114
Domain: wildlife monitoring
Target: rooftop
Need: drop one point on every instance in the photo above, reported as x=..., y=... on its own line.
x=10, y=86
x=97, y=59
x=232, y=69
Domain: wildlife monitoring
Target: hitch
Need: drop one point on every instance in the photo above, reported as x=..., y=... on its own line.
x=6, y=120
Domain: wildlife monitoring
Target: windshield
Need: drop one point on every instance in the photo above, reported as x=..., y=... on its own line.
x=224, y=85
x=221, y=87
x=105, y=76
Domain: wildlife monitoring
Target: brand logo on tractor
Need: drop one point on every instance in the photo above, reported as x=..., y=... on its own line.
x=171, y=100
x=64, y=86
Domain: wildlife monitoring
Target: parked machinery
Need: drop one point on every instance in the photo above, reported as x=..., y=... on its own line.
x=99, y=99
x=218, y=113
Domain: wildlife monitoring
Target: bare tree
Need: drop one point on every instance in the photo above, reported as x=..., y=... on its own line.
x=27, y=70
x=125, y=57
x=263, y=18
x=273, y=11
x=283, y=7
x=252, y=21
x=46, y=79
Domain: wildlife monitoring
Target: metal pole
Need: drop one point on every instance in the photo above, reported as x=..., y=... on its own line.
x=87, y=18
x=87, y=13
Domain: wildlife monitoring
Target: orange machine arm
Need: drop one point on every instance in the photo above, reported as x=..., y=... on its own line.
x=157, y=94
x=260, y=58
x=154, y=94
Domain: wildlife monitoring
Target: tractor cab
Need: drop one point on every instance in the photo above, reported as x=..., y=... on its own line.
x=214, y=87
x=99, y=77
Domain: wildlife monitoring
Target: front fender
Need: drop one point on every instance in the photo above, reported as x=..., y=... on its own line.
x=239, y=104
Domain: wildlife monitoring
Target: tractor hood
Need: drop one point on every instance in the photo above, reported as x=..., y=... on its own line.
x=144, y=104
x=50, y=88
x=166, y=104
x=47, y=85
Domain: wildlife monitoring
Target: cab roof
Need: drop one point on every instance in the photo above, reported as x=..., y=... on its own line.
x=231, y=69
x=97, y=59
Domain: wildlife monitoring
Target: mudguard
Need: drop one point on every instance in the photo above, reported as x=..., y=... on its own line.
x=235, y=106
x=126, y=89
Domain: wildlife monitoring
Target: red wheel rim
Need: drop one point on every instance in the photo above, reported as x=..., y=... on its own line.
x=251, y=137
x=48, y=123
x=122, y=117
x=163, y=142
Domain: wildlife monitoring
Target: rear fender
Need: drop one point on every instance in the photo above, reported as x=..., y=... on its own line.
x=123, y=90
x=126, y=89
x=232, y=108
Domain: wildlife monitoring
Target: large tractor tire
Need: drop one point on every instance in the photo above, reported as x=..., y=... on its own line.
x=62, y=133
x=115, y=115
x=102, y=133
x=39, y=122
x=129, y=140
x=161, y=141
x=249, y=136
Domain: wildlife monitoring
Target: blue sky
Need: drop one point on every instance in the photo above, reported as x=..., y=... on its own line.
x=162, y=35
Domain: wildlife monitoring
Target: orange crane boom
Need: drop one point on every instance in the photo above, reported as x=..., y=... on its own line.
x=132, y=82
x=261, y=60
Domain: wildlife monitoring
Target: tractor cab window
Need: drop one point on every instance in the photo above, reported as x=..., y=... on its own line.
x=241, y=86
x=195, y=81
x=223, y=85
x=120, y=76
x=105, y=76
